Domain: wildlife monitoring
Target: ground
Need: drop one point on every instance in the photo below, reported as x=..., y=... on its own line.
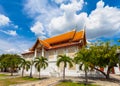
x=53, y=81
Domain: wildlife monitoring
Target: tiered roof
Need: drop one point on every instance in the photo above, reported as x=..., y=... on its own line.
x=63, y=40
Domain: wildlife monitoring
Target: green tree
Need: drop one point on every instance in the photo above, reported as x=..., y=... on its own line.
x=103, y=55
x=40, y=62
x=10, y=61
x=25, y=65
x=4, y=64
x=65, y=60
x=82, y=57
x=13, y=62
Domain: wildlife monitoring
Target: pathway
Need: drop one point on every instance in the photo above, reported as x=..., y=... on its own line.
x=44, y=82
x=98, y=81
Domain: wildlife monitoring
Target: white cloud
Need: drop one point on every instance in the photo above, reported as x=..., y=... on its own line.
x=103, y=21
x=59, y=1
x=10, y=32
x=4, y=20
x=38, y=29
x=69, y=19
x=12, y=50
x=14, y=46
x=41, y=11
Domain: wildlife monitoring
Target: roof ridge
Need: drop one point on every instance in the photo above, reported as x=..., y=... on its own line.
x=83, y=32
x=60, y=34
x=45, y=42
x=74, y=34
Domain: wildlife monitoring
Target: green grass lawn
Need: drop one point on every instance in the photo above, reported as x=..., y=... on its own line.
x=17, y=80
x=73, y=84
x=2, y=75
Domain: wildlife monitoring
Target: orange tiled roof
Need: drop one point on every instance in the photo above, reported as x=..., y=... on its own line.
x=45, y=43
x=65, y=45
x=61, y=38
x=66, y=39
x=78, y=36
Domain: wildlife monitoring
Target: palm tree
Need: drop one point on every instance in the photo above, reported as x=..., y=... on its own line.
x=82, y=58
x=31, y=66
x=25, y=65
x=65, y=60
x=40, y=62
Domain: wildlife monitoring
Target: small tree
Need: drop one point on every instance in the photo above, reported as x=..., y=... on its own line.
x=103, y=55
x=4, y=62
x=40, y=62
x=82, y=58
x=25, y=65
x=13, y=62
x=65, y=60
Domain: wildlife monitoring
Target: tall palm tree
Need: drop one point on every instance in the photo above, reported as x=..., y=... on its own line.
x=40, y=62
x=25, y=65
x=82, y=58
x=31, y=66
x=65, y=60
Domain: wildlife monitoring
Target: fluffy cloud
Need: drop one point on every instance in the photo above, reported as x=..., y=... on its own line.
x=38, y=29
x=69, y=19
x=41, y=11
x=11, y=45
x=102, y=21
x=59, y=1
x=9, y=32
x=4, y=20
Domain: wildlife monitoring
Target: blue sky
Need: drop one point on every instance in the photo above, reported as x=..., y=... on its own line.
x=23, y=21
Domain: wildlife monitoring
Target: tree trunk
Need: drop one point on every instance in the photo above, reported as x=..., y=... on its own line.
x=101, y=71
x=11, y=71
x=39, y=75
x=64, y=73
x=31, y=72
x=86, y=77
x=107, y=76
x=22, y=72
x=108, y=72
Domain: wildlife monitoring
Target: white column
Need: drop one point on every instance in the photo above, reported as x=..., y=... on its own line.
x=55, y=55
x=66, y=51
x=33, y=68
x=43, y=51
x=35, y=53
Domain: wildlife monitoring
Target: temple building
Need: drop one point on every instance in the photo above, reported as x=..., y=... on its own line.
x=68, y=43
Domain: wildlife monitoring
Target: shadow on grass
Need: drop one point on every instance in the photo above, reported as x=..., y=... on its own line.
x=34, y=78
x=76, y=83
x=101, y=79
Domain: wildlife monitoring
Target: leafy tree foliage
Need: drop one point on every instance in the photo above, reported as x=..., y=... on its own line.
x=10, y=61
x=104, y=55
x=100, y=55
